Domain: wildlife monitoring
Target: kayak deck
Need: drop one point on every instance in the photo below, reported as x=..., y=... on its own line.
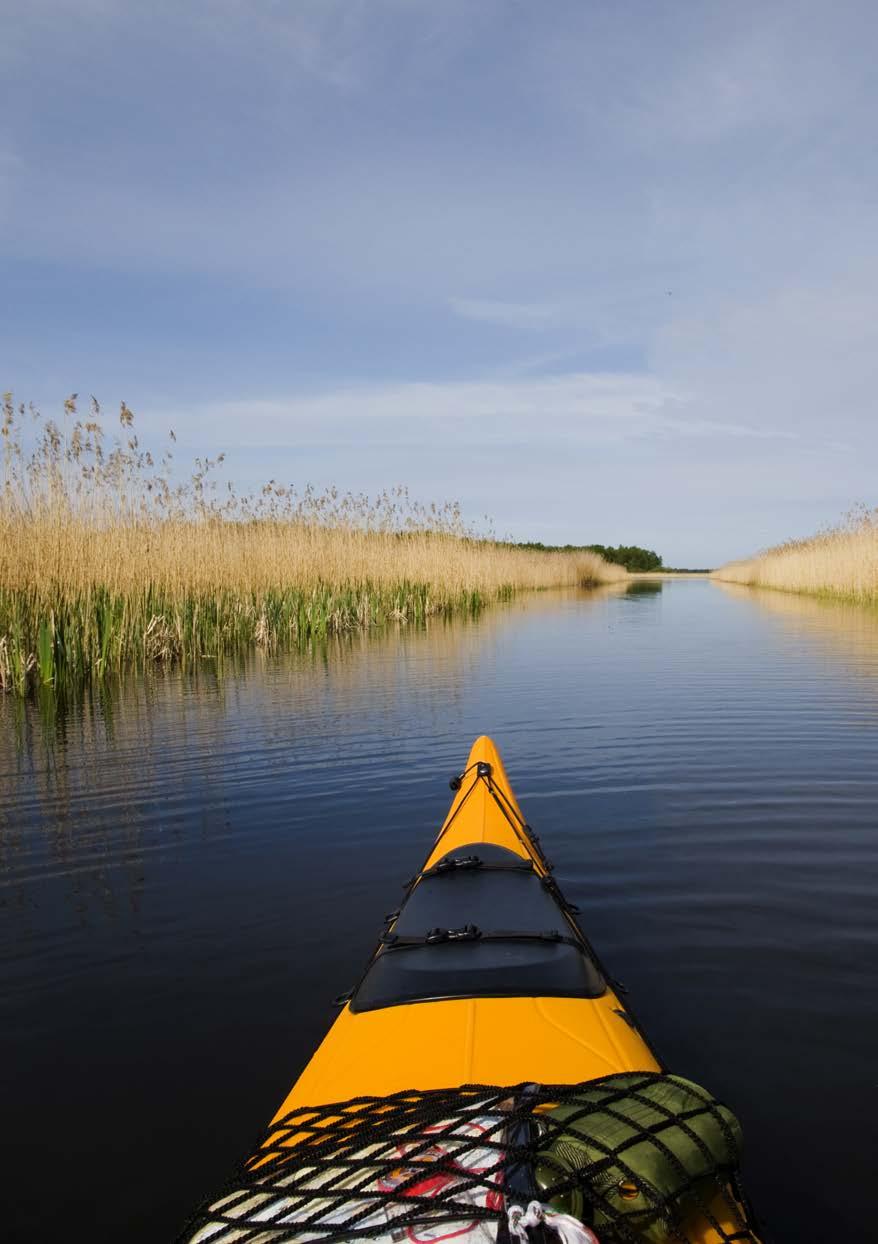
x=535, y=1036
x=470, y=1041
x=518, y=1000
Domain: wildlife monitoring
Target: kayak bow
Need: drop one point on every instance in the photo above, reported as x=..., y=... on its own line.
x=511, y=1027
x=483, y=979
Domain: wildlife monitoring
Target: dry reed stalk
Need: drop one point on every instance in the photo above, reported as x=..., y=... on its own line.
x=105, y=563
x=842, y=562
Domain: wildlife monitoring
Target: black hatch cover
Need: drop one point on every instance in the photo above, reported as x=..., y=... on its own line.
x=500, y=920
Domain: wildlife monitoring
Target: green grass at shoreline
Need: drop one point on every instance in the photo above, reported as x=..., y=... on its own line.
x=97, y=632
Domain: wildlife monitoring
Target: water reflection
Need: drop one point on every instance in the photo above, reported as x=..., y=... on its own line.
x=846, y=632
x=643, y=589
x=122, y=772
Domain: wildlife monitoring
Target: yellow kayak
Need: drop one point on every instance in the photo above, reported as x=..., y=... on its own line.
x=460, y=1032
x=483, y=977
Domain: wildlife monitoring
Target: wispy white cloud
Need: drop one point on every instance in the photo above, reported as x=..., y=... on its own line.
x=511, y=314
x=593, y=407
x=583, y=397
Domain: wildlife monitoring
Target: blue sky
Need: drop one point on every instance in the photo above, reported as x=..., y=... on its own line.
x=604, y=271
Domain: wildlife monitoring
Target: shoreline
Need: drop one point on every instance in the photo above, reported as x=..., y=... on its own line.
x=671, y=574
x=64, y=636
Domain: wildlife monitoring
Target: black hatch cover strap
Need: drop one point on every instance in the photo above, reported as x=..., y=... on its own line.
x=471, y=933
x=452, y=864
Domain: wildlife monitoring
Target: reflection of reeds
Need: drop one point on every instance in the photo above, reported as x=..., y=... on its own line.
x=105, y=563
x=847, y=631
x=178, y=726
x=842, y=562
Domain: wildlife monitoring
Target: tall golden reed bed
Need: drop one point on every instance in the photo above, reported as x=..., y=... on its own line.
x=106, y=563
x=842, y=562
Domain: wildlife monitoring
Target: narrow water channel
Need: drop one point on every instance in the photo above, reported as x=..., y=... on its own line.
x=193, y=866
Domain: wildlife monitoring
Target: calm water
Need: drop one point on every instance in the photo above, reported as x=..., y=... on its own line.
x=192, y=868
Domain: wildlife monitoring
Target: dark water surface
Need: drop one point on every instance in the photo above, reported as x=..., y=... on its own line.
x=193, y=867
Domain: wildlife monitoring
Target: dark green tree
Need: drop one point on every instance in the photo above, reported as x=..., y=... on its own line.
x=631, y=556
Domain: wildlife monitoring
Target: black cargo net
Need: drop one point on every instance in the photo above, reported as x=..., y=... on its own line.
x=635, y=1157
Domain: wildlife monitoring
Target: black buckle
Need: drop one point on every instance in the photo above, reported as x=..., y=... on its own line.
x=469, y=933
x=457, y=861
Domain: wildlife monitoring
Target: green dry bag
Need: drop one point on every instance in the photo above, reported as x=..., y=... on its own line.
x=640, y=1150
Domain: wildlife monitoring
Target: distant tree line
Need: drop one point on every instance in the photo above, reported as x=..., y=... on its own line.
x=631, y=556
